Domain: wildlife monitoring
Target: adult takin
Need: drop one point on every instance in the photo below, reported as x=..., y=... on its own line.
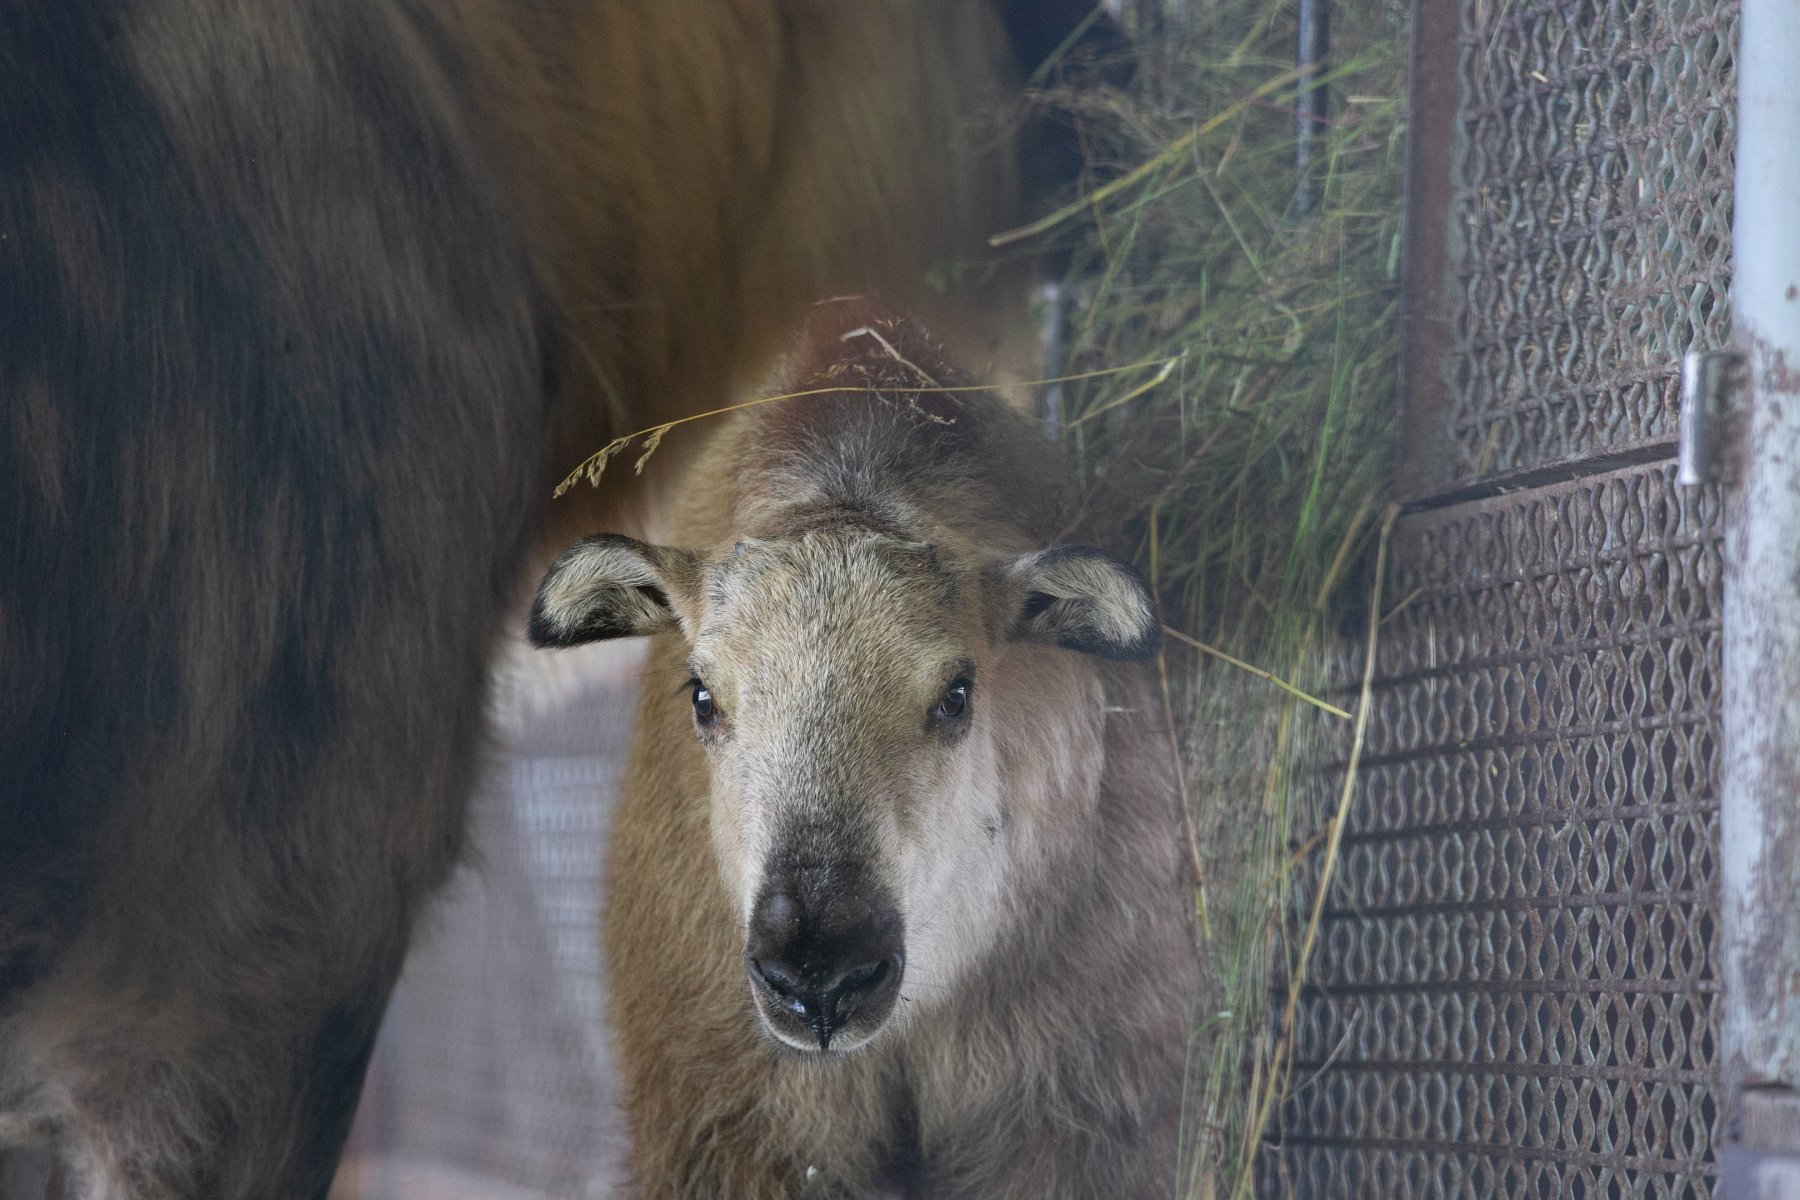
x=894, y=903
x=303, y=303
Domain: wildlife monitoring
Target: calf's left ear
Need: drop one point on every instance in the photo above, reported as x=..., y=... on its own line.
x=1082, y=599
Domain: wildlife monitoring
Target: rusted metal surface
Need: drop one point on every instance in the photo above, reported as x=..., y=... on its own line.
x=1760, y=813
x=1515, y=989
x=1590, y=219
x=1761, y=828
x=1423, y=457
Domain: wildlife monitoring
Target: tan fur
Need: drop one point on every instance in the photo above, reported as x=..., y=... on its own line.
x=795, y=151
x=1038, y=1047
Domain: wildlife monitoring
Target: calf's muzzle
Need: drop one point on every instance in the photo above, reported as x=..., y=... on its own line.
x=825, y=954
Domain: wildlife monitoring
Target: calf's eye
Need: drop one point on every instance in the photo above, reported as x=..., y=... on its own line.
x=705, y=711
x=954, y=702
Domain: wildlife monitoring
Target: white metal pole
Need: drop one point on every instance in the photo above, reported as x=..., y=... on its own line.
x=1760, y=798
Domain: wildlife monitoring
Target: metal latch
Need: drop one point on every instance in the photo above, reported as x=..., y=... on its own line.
x=1708, y=378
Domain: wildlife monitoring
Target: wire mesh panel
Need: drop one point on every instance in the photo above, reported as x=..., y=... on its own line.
x=1513, y=989
x=1590, y=224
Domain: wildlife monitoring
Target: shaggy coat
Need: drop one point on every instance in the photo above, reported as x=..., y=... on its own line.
x=290, y=291
x=1035, y=1045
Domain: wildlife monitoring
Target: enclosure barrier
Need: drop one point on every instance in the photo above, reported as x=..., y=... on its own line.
x=1517, y=986
x=1760, y=798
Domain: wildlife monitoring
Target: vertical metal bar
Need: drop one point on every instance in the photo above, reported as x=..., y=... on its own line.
x=1310, y=109
x=1052, y=325
x=1425, y=294
x=1760, y=797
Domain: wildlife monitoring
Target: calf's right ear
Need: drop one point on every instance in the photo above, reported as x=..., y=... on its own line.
x=1081, y=599
x=608, y=586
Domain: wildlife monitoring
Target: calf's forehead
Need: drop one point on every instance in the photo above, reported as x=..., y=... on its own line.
x=854, y=606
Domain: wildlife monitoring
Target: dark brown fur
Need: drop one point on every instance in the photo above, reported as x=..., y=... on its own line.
x=1053, y=1066
x=288, y=288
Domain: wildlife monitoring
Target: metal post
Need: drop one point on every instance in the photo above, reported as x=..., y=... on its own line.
x=1052, y=325
x=1309, y=109
x=1426, y=294
x=1760, y=797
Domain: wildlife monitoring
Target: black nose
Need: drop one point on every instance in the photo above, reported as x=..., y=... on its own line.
x=825, y=949
x=823, y=1004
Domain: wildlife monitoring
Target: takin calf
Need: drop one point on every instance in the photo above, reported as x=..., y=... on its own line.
x=894, y=901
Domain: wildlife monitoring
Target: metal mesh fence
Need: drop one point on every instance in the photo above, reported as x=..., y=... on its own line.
x=1590, y=223
x=1513, y=991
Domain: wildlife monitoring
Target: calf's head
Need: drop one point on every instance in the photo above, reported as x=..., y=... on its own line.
x=840, y=683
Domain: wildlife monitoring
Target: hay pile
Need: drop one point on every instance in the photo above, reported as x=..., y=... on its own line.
x=1249, y=454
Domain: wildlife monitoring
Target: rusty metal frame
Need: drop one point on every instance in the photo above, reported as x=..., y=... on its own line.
x=1760, y=796
x=1425, y=262
x=1519, y=946
x=1556, y=670
x=1546, y=306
